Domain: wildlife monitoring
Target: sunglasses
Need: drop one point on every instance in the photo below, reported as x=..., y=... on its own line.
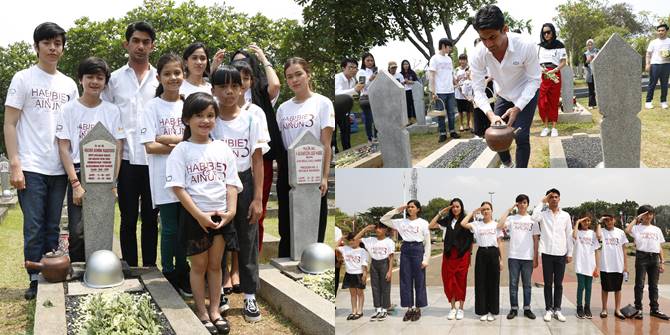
x=546, y=32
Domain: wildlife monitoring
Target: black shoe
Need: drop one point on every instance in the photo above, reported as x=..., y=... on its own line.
x=172, y=279
x=416, y=315
x=529, y=314
x=381, y=316
x=587, y=312
x=222, y=325
x=31, y=292
x=227, y=290
x=638, y=315
x=455, y=135
x=512, y=314
x=408, y=315
x=223, y=305
x=251, y=311
x=185, y=285
x=659, y=315
x=580, y=312
x=442, y=138
x=237, y=289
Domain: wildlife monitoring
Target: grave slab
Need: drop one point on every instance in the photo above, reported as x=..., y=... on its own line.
x=50, y=309
x=567, y=88
x=579, y=115
x=419, y=105
x=79, y=288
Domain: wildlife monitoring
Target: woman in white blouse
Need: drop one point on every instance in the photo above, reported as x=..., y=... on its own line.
x=552, y=57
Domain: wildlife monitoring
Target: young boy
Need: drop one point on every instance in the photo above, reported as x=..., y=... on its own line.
x=77, y=119
x=34, y=100
x=381, y=249
x=648, y=258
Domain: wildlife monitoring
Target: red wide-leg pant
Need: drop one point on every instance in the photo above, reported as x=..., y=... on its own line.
x=455, y=274
x=550, y=93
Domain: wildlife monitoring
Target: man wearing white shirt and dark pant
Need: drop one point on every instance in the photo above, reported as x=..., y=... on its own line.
x=648, y=259
x=346, y=86
x=513, y=63
x=442, y=87
x=556, y=250
x=658, y=66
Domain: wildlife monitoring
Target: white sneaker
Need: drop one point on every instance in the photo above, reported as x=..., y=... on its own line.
x=664, y=105
x=490, y=317
x=452, y=314
x=554, y=132
x=559, y=316
x=548, y=315
x=510, y=166
x=459, y=314
x=483, y=317
x=544, y=132
x=648, y=105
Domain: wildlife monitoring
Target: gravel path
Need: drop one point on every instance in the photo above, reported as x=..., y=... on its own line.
x=582, y=152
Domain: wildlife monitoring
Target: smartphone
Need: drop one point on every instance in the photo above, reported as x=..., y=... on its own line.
x=375, y=70
x=361, y=80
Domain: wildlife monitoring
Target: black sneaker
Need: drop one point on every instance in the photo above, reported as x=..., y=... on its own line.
x=443, y=138
x=31, y=292
x=381, y=316
x=529, y=314
x=251, y=311
x=223, y=305
x=375, y=316
x=638, y=315
x=512, y=314
x=659, y=315
x=587, y=312
x=455, y=135
x=580, y=312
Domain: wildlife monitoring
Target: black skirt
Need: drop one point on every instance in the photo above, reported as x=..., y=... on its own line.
x=353, y=281
x=611, y=281
x=195, y=239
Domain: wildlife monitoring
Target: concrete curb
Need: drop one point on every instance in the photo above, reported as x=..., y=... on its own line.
x=50, y=320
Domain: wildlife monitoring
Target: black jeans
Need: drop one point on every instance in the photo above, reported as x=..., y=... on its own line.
x=553, y=269
x=592, y=94
x=523, y=120
x=487, y=281
x=410, y=104
x=646, y=265
x=75, y=226
x=133, y=189
x=343, y=104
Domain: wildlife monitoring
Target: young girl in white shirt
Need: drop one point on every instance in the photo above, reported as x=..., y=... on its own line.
x=381, y=249
x=587, y=260
x=488, y=262
x=356, y=265
x=203, y=175
x=161, y=130
x=613, y=263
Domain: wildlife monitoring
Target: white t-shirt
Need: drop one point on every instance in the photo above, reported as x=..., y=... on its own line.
x=486, y=234
x=354, y=259
x=584, y=254
x=338, y=234
x=461, y=77
x=442, y=69
x=204, y=170
x=398, y=76
x=367, y=73
x=648, y=238
x=379, y=249
x=131, y=96
x=521, y=230
x=243, y=135
x=187, y=88
x=553, y=56
x=76, y=121
x=160, y=118
x=40, y=96
x=313, y=114
x=258, y=112
x=611, y=256
x=655, y=47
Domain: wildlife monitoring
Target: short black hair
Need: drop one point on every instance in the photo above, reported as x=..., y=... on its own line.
x=346, y=61
x=444, y=42
x=47, y=31
x=93, y=65
x=142, y=26
x=645, y=208
x=522, y=197
x=662, y=25
x=463, y=56
x=489, y=17
x=553, y=190
x=226, y=74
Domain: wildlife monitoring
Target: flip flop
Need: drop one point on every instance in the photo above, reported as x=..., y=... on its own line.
x=209, y=326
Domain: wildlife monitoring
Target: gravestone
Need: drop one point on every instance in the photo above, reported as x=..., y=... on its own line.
x=567, y=88
x=305, y=168
x=4, y=176
x=419, y=105
x=616, y=72
x=389, y=110
x=98, y=163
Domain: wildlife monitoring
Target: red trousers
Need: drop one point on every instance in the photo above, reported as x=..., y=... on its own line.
x=455, y=274
x=547, y=103
x=267, y=183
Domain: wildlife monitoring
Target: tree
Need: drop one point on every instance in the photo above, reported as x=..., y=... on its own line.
x=13, y=58
x=577, y=21
x=622, y=15
x=431, y=209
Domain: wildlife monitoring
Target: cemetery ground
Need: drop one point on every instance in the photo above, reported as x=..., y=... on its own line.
x=17, y=314
x=655, y=151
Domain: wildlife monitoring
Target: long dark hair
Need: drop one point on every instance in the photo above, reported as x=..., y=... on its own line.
x=554, y=43
x=190, y=49
x=164, y=60
x=366, y=55
x=451, y=216
x=194, y=104
x=409, y=74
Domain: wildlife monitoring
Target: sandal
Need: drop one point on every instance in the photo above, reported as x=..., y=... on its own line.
x=357, y=316
x=351, y=316
x=209, y=326
x=603, y=314
x=222, y=326
x=620, y=316
x=227, y=290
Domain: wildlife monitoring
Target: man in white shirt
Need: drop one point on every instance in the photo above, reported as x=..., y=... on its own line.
x=441, y=69
x=34, y=101
x=556, y=250
x=513, y=63
x=130, y=88
x=658, y=66
x=346, y=87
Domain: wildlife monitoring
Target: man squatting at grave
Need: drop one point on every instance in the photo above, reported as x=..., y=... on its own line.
x=512, y=61
x=34, y=100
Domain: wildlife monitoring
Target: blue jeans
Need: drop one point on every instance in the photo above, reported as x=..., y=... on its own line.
x=523, y=268
x=366, y=114
x=450, y=102
x=662, y=72
x=523, y=121
x=41, y=203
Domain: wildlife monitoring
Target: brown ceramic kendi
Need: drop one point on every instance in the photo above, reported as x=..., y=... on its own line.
x=499, y=136
x=55, y=266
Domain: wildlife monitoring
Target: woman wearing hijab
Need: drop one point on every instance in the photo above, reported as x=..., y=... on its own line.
x=589, y=55
x=552, y=57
